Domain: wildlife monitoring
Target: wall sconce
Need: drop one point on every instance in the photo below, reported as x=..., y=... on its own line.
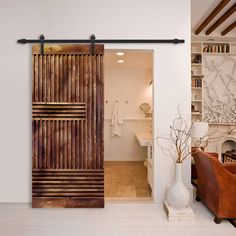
x=145, y=107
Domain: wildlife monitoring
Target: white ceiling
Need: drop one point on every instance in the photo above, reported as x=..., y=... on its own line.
x=202, y=8
x=133, y=59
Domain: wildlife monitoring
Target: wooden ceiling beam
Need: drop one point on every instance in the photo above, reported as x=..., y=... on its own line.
x=212, y=15
x=225, y=16
x=229, y=28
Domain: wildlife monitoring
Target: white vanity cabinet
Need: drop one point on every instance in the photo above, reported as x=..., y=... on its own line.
x=150, y=164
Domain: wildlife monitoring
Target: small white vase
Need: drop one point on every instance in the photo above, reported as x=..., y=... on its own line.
x=178, y=195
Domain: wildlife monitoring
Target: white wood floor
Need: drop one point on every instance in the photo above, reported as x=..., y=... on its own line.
x=133, y=219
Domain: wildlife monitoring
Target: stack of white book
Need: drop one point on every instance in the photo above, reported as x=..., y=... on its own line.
x=176, y=214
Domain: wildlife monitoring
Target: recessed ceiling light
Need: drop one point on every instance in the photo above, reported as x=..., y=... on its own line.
x=120, y=61
x=120, y=54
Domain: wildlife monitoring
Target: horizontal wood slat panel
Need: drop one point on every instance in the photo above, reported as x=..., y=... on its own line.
x=70, y=171
x=67, y=194
x=67, y=186
x=65, y=182
x=50, y=49
x=68, y=202
x=44, y=111
x=48, y=184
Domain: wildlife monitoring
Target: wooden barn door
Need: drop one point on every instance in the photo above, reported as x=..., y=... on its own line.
x=67, y=126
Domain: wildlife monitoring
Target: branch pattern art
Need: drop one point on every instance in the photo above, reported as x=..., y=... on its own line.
x=219, y=89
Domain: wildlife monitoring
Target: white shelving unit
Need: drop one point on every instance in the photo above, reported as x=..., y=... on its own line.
x=196, y=80
x=198, y=49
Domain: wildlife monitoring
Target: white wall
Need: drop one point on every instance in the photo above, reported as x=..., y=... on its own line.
x=79, y=19
x=126, y=147
x=130, y=87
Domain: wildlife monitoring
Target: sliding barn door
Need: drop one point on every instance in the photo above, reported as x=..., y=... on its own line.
x=67, y=126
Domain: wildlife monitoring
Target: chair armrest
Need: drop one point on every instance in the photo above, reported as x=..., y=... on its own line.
x=231, y=167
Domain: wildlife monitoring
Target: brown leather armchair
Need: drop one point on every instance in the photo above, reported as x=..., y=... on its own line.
x=216, y=185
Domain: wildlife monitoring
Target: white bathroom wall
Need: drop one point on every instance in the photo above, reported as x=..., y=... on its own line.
x=126, y=148
x=130, y=87
x=152, y=19
x=127, y=85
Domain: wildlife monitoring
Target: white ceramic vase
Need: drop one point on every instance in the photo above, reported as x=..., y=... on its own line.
x=178, y=195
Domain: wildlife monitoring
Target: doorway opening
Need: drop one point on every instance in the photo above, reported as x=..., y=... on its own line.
x=128, y=122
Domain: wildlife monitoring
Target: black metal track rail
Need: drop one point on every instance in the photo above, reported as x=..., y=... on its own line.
x=93, y=41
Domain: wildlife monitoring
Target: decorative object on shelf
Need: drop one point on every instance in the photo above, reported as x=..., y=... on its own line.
x=192, y=108
x=197, y=59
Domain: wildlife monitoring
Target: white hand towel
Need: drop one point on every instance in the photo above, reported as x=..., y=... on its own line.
x=116, y=122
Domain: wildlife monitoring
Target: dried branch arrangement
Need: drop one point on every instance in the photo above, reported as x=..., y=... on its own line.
x=179, y=140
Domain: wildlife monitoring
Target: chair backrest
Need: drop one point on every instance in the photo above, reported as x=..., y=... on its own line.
x=206, y=166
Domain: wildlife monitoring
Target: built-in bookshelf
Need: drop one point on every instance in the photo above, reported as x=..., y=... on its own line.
x=198, y=49
x=196, y=80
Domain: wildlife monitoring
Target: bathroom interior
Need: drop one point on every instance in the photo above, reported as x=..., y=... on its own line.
x=128, y=107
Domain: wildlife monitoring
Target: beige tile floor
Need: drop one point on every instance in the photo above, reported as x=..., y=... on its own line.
x=126, y=179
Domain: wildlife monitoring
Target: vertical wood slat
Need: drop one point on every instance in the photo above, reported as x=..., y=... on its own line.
x=88, y=119
x=52, y=66
x=66, y=147
x=68, y=144
x=94, y=72
x=101, y=111
x=52, y=153
x=98, y=117
x=61, y=97
x=69, y=76
x=40, y=85
x=81, y=98
x=73, y=88
x=57, y=143
x=57, y=81
x=45, y=78
x=65, y=79
x=85, y=81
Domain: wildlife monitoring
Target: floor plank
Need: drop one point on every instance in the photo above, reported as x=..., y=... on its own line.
x=139, y=219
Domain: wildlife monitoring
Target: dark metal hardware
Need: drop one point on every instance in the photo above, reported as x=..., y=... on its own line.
x=93, y=38
x=93, y=41
x=42, y=43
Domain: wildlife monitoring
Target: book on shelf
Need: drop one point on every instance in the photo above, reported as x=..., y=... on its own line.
x=196, y=82
x=216, y=48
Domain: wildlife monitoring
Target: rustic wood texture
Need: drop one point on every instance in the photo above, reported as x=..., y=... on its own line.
x=67, y=126
x=221, y=20
x=50, y=49
x=229, y=28
x=211, y=16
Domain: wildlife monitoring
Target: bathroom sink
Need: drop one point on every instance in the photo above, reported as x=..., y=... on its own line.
x=144, y=139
